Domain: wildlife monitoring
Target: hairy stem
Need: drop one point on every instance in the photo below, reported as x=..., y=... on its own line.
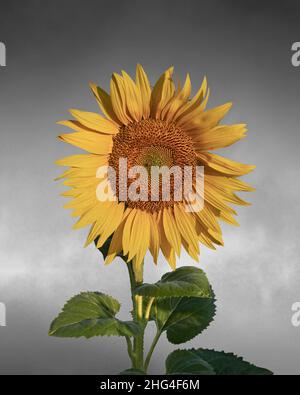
x=129, y=348
x=137, y=302
x=136, y=351
x=152, y=347
x=132, y=283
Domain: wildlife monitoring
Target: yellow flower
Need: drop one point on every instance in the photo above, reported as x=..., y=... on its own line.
x=162, y=126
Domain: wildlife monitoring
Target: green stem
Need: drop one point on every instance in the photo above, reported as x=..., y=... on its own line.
x=138, y=341
x=139, y=351
x=152, y=347
x=129, y=348
x=132, y=283
x=136, y=352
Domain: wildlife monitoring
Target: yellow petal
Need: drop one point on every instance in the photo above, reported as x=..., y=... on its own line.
x=219, y=137
x=199, y=120
x=216, y=237
x=187, y=88
x=143, y=85
x=226, y=217
x=215, y=200
x=133, y=98
x=223, y=189
x=82, y=210
x=95, y=121
x=89, y=141
x=186, y=226
x=165, y=246
x=224, y=165
x=82, y=183
x=75, y=125
x=223, y=193
x=238, y=185
x=171, y=231
x=190, y=250
x=154, y=238
x=194, y=104
x=139, y=235
x=204, y=237
x=112, y=221
x=118, y=99
x=116, y=242
x=127, y=231
x=83, y=161
x=105, y=104
x=94, y=232
x=137, y=264
x=142, y=245
x=78, y=172
x=207, y=217
x=71, y=193
x=94, y=214
x=162, y=92
x=179, y=99
x=83, y=201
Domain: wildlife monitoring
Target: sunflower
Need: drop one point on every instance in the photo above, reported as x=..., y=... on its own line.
x=163, y=126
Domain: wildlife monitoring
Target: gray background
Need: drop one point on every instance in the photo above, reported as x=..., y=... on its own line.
x=53, y=50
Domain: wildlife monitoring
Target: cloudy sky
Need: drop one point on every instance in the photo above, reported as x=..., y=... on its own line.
x=54, y=50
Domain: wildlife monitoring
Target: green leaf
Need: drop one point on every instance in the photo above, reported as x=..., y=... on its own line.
x=91, y=314
x=191, y=362
x=185, y=281
x=132, y=372
x=187, y=362
x=183, y=318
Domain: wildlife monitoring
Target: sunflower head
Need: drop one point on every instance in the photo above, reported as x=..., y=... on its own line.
x=159, y=128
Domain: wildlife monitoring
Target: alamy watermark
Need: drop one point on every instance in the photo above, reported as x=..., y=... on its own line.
x=2, y=314
x=152, y=184
x=296, y=316
x=296, y=54
x=2, y=54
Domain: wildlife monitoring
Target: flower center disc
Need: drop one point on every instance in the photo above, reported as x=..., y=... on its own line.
x=151, y=143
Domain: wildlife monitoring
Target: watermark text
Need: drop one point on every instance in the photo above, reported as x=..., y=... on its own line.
x=296, y=316
x=2, y=54
x=296, y=54
x=2, y=314
x=152, y=184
